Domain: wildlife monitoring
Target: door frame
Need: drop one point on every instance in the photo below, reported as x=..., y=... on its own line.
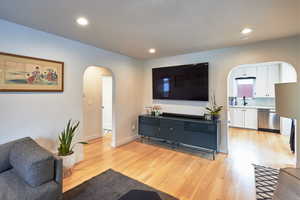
x=104, y=72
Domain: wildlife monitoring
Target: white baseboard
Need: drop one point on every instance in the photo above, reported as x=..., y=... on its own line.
x=91, y=137
x=126, y=140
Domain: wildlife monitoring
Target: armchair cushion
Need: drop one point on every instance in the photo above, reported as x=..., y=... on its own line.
x=4, y=154
x=32, y=163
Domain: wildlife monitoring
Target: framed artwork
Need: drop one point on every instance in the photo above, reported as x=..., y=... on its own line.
x=28, y=74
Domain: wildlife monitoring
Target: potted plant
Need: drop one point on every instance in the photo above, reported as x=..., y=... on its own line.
x=66, y=146
x=214, y=110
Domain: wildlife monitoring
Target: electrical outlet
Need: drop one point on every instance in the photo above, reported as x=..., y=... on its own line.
x=133, y=127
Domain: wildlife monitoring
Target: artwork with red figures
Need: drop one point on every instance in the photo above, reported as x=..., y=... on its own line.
x=19, y=73
x=37, y=77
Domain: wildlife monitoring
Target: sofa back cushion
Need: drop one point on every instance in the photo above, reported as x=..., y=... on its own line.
x=32, y=163
x=4, y=154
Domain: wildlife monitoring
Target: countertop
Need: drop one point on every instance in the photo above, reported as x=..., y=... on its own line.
x=254, y=107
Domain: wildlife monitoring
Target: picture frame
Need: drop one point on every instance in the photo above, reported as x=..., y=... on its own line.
x=29, y=74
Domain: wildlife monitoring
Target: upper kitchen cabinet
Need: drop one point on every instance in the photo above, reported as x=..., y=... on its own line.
x=245, y=72
x=266, y=77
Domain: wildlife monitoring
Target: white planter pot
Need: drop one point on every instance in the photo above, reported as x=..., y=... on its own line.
x=69, y=161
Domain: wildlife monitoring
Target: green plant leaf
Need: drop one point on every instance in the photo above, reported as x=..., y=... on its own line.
x=83, y=143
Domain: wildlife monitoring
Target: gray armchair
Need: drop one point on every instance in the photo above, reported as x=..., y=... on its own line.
x=29, y=172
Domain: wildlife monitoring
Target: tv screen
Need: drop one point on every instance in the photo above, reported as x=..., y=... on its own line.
x=185, y=82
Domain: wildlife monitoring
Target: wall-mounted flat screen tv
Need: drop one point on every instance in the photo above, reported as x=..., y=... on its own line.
x=185, y=82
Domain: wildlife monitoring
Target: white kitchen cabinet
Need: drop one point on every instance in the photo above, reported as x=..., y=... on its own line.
x=261, y=81
x=246, y=72
x=287, y=73
x=243, y=117
x=267, y=76
x=237, y=117
x=251, y=118
x=273, y=78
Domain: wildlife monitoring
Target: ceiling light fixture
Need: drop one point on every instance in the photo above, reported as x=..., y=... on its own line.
x=82, y=21
x=152, y=50
x=246, y=31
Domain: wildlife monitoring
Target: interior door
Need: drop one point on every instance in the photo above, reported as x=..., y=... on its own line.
x=107, y=102
x=92, y=102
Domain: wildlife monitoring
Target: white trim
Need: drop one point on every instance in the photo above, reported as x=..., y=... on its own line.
x=126, y=140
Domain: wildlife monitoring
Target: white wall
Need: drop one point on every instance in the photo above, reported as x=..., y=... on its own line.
x=43, y=115
x=221, y=62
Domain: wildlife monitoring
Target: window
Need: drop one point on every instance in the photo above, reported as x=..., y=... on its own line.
x=245, y=87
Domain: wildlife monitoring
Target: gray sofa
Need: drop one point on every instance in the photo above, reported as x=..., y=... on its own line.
x=29, y=172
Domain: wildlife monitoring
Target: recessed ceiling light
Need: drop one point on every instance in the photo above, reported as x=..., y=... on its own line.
x=246, y=31
x=152, y=50
x=82, y=21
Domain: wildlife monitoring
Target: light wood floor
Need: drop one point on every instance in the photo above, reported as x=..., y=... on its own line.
x=188, y=177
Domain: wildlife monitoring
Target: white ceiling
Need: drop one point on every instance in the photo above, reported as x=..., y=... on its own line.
x=173, y=27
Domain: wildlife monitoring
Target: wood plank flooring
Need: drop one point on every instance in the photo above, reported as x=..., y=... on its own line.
x=188, y=177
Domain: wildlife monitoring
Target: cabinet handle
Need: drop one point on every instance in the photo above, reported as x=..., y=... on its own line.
x=171, y=129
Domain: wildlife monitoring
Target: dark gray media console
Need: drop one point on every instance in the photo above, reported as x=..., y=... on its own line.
x=181, y=130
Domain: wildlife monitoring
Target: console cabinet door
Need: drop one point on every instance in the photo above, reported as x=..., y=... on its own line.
x=170, y=130
x=201, y=135
x=149, y=126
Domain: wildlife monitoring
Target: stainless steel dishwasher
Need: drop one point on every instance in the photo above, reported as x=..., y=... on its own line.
x=268, y=120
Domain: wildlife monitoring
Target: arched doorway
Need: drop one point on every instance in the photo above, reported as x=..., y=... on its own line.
x=254, y=131
x=94, y=95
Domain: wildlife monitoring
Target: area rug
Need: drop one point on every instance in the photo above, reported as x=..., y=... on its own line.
x=265, y=181
x=112, y=185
